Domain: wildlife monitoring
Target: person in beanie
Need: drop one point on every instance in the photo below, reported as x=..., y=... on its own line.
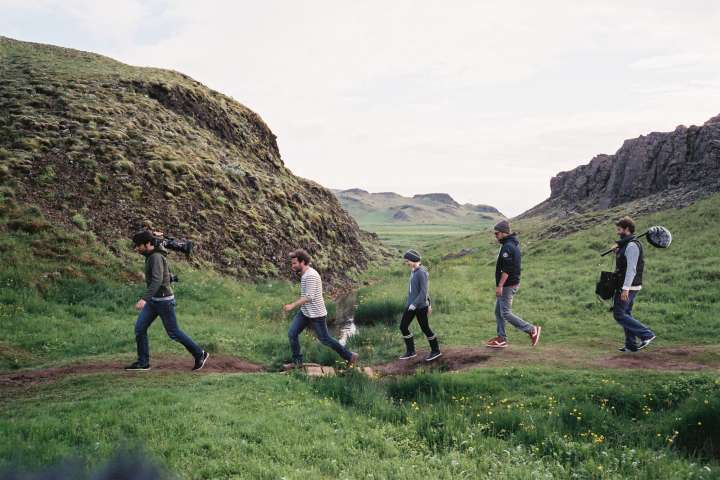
x=417, y=304
x=507, y=283
x=158, y=300
x=312, y=312
x=629, y=267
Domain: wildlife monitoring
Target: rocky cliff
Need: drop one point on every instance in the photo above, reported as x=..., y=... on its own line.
x=668, y=169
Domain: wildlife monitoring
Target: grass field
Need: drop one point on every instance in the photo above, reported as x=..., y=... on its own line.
x=561, y=410
x=401, y=237
x=505, y=423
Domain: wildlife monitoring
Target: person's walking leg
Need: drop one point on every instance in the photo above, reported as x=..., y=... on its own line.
x=407, y=334
x=500, y=340
x=508, y=315
x=147, y=315
x=298, y=324
x=619, y=316
x=166, y=310
x=499, y=319
x=622, y=311
x=422, y=316
x=647, y=335
x=630, y=340
x=322, y=333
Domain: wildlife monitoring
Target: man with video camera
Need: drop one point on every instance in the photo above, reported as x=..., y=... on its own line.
x=158, y=300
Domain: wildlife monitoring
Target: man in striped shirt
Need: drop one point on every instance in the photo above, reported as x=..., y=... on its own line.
x=312, y=311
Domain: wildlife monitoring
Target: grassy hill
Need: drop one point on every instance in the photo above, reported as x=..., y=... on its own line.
x=571, y=408
x=405, y=222
x=104, y=147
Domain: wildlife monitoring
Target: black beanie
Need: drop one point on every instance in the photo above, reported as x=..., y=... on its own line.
x=503, y=226
x=412, y=255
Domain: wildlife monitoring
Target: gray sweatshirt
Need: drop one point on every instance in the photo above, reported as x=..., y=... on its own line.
x=632, y=254
x=418, y=289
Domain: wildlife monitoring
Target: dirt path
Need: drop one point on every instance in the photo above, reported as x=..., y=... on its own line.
x=454, y=359
x=462, y=358
x=164, y=364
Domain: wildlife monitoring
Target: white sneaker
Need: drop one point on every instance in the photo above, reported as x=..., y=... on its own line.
x=645, y=343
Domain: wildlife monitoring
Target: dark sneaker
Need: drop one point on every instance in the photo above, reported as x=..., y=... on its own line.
x=200, y=362
x=432, y=356
x=137, y=366
x=628, y=349
x=535, y=336
x=497, y=342
x=353, y=359
x=646, y=342
x=408, y=355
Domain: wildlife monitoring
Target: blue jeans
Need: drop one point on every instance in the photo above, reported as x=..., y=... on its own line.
x=301, y=322
x=622, y=311
x=503, y=313
x=166, y=311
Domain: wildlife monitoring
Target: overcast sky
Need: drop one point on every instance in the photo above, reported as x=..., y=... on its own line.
x=482, y=100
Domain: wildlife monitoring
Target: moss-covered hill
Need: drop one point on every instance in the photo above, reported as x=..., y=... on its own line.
x=106, y=147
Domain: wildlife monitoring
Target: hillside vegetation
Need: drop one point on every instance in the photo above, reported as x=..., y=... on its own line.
x=107, y=148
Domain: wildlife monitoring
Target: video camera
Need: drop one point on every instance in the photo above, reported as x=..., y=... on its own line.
x=158, y=239
x=170, y=243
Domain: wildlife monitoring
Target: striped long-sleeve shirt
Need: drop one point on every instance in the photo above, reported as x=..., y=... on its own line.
x=311, y=288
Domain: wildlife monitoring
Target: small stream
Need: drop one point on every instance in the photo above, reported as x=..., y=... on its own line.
x=344, y=325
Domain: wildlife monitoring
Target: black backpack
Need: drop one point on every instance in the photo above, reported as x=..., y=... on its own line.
x=606, y=285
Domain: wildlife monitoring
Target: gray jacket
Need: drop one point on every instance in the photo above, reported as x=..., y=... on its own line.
x=157, y=275
x=418, y=291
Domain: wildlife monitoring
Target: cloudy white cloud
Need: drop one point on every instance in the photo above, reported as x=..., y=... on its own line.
x=482, y=100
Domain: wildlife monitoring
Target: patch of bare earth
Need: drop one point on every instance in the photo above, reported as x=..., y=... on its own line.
x=166, y=364
x=452, y=359
x=456, y=359
x=665, y=358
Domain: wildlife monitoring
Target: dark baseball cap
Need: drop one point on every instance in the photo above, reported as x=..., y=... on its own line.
x=141, y=238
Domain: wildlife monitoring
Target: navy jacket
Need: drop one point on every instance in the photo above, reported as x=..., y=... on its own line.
x=508, y=261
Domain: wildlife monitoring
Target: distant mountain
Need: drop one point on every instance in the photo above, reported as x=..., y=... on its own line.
x=428, y=208
x=654, y=172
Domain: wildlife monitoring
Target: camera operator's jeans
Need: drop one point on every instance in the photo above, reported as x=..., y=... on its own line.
x=300, y=323
x=622, y=312
x=166, y=311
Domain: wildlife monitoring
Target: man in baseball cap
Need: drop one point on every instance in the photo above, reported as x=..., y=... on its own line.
x=158, y=301
x=507, y=283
